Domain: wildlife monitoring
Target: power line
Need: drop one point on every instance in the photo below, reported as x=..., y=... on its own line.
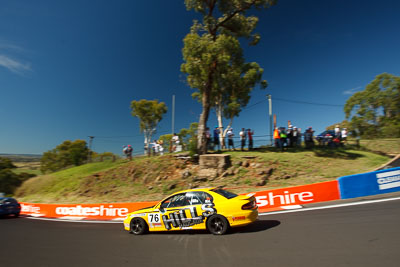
x=126, y=136
x=292, y=101
x=307, y=103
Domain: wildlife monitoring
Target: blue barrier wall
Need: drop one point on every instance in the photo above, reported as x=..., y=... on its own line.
x=370, y=183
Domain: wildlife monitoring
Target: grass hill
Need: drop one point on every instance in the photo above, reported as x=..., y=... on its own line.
x=151, y=178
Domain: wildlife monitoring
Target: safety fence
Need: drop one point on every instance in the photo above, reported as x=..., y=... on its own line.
x=352, y=186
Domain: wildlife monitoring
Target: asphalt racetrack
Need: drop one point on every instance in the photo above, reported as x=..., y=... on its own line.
x=363, y=235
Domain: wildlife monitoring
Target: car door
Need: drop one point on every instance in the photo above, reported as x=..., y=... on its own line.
x=201, y=206
x=174, y=212
x=9, y=206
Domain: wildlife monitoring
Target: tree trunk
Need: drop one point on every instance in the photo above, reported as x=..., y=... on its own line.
x=206, y=98
x=218, y=111
x=201, y=129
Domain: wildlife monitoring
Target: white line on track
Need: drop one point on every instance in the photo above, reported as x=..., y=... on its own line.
x=75, y=221
x=332, y=206
x=261, y=214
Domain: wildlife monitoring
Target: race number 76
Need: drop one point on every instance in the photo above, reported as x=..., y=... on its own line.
x=153, y=217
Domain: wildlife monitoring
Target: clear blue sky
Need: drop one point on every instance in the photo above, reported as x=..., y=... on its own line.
x=69, y=69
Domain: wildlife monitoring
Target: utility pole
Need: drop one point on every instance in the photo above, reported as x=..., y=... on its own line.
x=90, y=148
x=270, y=117
x=173, y=122
x=173, y=114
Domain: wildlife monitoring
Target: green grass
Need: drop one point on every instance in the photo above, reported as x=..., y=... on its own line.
x=387, y=146
x=153, y=178
x=62, y=183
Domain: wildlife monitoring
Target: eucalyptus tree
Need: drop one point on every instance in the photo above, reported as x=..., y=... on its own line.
x=149, y=113
x=238, y=84
x=375, y=111
x=212, y=47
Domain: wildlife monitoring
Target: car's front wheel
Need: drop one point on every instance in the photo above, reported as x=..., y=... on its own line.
x=138, y=226
x=217, y=224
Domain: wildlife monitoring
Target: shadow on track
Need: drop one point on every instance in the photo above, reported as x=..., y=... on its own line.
x=257, y=226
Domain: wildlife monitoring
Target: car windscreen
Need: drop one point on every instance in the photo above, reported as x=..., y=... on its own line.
x=224, y=193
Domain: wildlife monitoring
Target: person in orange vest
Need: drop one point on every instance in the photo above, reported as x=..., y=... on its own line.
x=277, y=138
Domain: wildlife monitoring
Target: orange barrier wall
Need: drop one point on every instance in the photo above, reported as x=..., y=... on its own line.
x=305, y=194
x=266, y=201
x=102, y=211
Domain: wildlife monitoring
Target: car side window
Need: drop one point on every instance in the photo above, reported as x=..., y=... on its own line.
x=178, y=200
x=198, y=197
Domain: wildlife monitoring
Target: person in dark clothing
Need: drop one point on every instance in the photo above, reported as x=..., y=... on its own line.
x=250, y=134
x=283, y=138
x=216, y=137
x=308, y=138
x=293, y=140
x=242, y=135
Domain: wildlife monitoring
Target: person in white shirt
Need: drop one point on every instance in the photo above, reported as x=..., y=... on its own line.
x=230, y=138
x=242, y=135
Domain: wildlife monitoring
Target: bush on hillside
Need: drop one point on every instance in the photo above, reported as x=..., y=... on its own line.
x=64, y=155
x=9, y=180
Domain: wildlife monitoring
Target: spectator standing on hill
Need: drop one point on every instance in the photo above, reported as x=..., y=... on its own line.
x=156, y=147
x=128, y=152
x=290, y=136
x=299, y=137
x=337, y=131
x=283, y=138
x=277, y=138
x=308, y=138
x=175, y=142
x=230, y=139
x=161, y=147
x=208, y=137
x=216, y=133
x=344, y=135
x=293, y=140
x=250, y=134
x=242, y=135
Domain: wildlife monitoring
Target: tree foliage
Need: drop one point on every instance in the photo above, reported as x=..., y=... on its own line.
x=149, y=113
x=64, y=155
x=213, y=55
x=186, y=136
x=375, y=111
x=6, y=163
x=9, y=180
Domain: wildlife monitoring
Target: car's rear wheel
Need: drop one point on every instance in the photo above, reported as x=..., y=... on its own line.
x=217, y=224
x=16, y=215
x=138, y=226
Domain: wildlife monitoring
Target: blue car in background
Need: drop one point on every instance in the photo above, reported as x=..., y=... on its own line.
x=326, y=137
x=9, y=205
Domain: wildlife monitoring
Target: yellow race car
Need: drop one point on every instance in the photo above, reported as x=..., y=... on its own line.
x=214, y=209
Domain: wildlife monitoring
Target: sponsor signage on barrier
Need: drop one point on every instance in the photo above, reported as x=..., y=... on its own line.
x=89, y=211
x=298, y=195
x=371, y=183
x=266, y=200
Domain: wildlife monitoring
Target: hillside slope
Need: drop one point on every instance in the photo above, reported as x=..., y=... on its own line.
x=155, y=177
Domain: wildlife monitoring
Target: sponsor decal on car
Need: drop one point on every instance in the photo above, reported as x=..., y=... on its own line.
x=238, y=218
x=179, y=218
x=155, y=225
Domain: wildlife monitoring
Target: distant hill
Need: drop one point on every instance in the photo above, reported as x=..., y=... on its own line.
x=22, y=157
